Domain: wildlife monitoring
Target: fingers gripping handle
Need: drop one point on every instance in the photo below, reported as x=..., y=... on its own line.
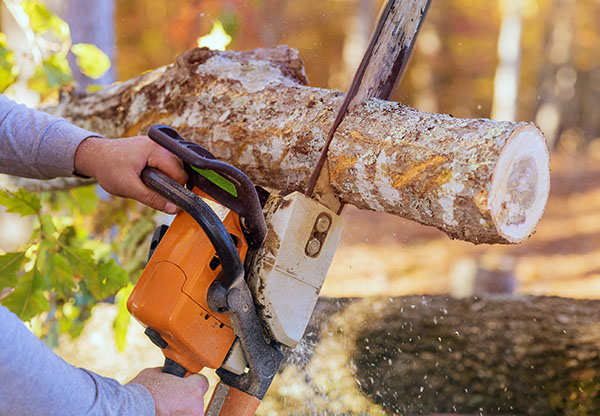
x=229, y=401
x=225, y=401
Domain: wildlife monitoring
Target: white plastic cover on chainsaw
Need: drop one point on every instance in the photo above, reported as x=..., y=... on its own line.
x=284, y=279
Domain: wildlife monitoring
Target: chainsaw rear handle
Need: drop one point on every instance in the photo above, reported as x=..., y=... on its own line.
x=232, y=267
x=238, y=194
x=225, y=400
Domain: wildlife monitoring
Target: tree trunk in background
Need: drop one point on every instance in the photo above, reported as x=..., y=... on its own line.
x=91, y=21
x=272, y=28
x=557, y=80
x=360, y=27
x=426, y=82
x=589, y=88
x=473, y=179
x=506, y=81
x=433, y=354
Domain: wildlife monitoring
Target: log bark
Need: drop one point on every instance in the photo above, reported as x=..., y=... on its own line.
x=434, y=354
x=476, y=180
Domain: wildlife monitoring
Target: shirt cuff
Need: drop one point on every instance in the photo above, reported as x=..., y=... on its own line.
x=58, y=144
x=146, y=404
x=113, y=398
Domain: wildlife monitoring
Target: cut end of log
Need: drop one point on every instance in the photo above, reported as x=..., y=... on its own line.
x=520, y=184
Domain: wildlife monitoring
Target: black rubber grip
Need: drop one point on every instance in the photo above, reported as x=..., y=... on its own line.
x=174, y=368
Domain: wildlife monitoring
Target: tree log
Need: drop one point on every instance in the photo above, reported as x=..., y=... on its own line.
x=433, y=354
x=476, y=180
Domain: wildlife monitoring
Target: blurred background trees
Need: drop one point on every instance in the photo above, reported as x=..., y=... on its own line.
x=456, y=62
x=531, y=60
x=536, y=59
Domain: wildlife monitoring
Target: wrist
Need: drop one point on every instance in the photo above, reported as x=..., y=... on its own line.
x=86, y=155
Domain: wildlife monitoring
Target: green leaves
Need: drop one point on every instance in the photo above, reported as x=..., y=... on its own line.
x=52, y=38
x=28, y=299
x=57, y=71
x=10, y=264
x=102, y=278
x=108, y=281
x=61, y=273
x=68, y=265
x=72, y=317
x=121, y=322
x=84, y=199
x=91, y=60
x=60, y=276
x=80, y=259
x=8, y=70
x=20, y=202
x=52, y=74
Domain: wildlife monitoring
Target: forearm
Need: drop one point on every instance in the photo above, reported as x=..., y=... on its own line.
x=36, y=145
x=35, y=381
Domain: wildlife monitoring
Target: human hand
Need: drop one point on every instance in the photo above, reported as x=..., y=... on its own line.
x=118, y=163
x=174, y=395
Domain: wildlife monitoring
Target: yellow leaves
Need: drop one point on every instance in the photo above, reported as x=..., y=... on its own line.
x=91, y=60
x=8, y=70
x=42, y=20
x=217, y=39
x=121, y=322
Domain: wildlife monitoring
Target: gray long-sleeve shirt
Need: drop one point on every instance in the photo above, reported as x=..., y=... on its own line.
x=34, y=380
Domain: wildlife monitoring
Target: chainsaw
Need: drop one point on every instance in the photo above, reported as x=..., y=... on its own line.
x=212, y=294
x=226, y=289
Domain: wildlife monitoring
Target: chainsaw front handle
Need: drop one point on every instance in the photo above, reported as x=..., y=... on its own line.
x=223, y=182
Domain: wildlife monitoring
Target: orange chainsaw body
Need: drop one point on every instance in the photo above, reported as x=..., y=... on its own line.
x=184, y=275
x=170, y=296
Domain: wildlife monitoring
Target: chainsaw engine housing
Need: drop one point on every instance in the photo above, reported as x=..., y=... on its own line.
x=170, y=296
